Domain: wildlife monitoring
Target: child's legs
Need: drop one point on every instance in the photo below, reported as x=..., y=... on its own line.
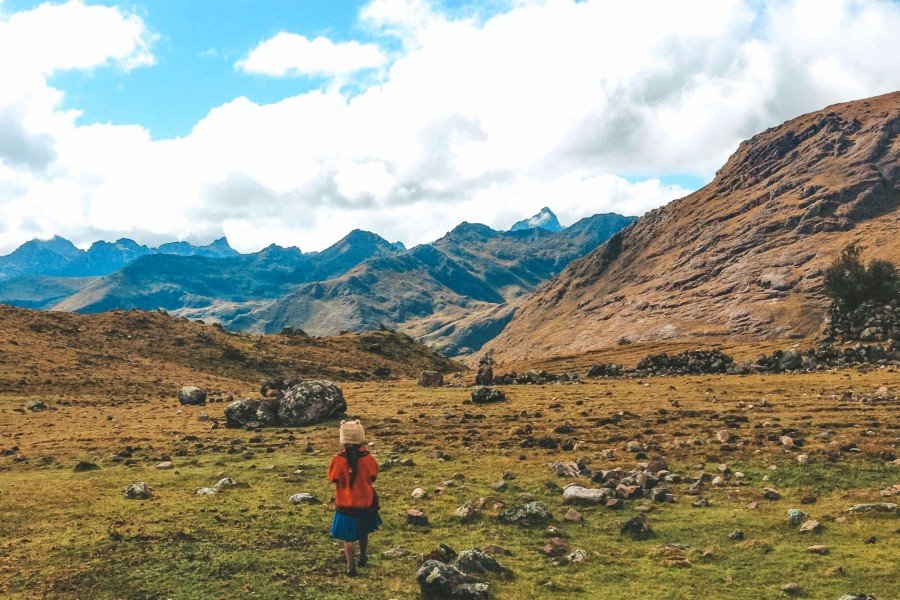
x=363, y=544
x=349, y=552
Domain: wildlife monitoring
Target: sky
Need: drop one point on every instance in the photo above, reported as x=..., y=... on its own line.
x=294, y=121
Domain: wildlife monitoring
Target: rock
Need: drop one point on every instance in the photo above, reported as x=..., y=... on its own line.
x=791, y=589
x=398, y=552
x=415, y=516
x=875, y=507
x=439, y=581
x=241, y=412
x=808, y=499
x=192, y=395
x=718, y=481
x=796, y=516
x=810, y=526
x=737, y=534
x=573, y=516
x=165, y=465
x=495, y=550
x=856, y=597
x=430, y=379
x=724, y=437
x=787, y=441
x=656, y=465
x=555, y=547
x=138, y=491
x=382, y=372
x=487, y=395
x=771, y=494
x=206, y=491
x=802, y=459
x=419, y=493
x=309, y=402
x=304, y=498
x=84, y=466
x=36, y=406
x=566, y=469
x=818, y=549
x=226, y=482
x=634, y=446
x=442, y=553
x=531, y=513
x=578, y=556
x=576, y=494
x=637, y=528
x=467, y=512
x=476, y=561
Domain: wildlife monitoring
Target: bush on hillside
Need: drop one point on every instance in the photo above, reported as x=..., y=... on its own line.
x=848, y=282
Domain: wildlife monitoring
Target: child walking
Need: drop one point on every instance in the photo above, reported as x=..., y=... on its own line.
x=353, y=471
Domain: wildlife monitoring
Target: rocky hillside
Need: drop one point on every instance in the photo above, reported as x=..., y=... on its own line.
x=122, y=354
x=742, y=257
x=455, y=293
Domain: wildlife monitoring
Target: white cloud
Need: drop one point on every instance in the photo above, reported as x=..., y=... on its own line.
x=290, y=54
x=478, y=118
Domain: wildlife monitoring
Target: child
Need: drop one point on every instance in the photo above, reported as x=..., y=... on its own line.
x=356, y=504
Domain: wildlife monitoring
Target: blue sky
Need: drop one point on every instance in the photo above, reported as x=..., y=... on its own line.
x=293, y=122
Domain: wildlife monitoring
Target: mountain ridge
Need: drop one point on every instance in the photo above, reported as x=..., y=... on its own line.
x=740, y=258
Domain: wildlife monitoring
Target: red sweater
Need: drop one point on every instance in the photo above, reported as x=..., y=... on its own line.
x=362, y=493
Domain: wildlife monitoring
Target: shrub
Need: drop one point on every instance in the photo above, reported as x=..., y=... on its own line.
x=848, y=282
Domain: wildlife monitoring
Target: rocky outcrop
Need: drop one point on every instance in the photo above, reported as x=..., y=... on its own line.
x=301, y=404
x=440, y=581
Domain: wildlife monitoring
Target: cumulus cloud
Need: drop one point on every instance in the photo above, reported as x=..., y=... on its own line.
x=290, y=54
x=478, y=117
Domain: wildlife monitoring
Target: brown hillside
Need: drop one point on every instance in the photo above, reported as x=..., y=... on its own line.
x=740, y=259
x=122, y=355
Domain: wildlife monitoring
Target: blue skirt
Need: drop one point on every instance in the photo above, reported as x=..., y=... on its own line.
x=350, y=529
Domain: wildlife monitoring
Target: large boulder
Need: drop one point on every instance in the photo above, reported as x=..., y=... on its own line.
x=431, y=379
x=476, y=561
x=487, y=395
x=192, y=395
x=241, y=412
x=439, y=581
x=309, y=402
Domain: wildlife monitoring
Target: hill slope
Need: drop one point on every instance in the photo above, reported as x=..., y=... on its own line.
x=437, y=292
x=740, y=258
x=148, y=353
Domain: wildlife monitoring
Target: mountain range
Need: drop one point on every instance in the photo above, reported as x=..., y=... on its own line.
x=741, y=258
x=455, y=293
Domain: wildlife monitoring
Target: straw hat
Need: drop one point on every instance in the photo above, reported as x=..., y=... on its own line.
x=352, y=433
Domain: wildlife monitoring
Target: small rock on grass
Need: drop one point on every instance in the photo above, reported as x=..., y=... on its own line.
x=818, y=549
x=573, y=516
x=138, y=491
x=84, y=466
x=810, y=526
x=206, y=491
x=476, y=561
x=304, y=498
x=415, y=516
x=874, y=507
x=791, y=589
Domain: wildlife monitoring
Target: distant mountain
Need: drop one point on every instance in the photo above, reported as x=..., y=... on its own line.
x=741, y=258
x=455, y=293
x=203, y=286
x=545, y=219
x=59, y=257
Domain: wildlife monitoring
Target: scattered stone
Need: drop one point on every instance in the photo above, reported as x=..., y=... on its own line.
x=397, y=552
x=875, y=507
x=442, y=553
x=555, y=548
x=417, y=517
x=566, y=469
x=771, y=494
x=818, y=549
x=226, y=482
x=808, y=499
x=810, y=526
x=634, y=446
x=439, y=581
x=796, y=516
x=724, y=437
x=487, y=395
x=206, y=491
x=430, y=379
x=856, y=597
x=637, y=528
x=165, y=465
x=531, y=513
x=656, y=465
x=304, y=498
x=192, y=395
x=138, y=491
x=737, y=534
x=787, y=441
x=36, y=406
x=419, y=493
x=700, y=503
x=791, y=589
x=241, y=412
x=467, y=512
x=84, y=466
x=578, y=556
x=494, y=550
x=576, y=494
x=802, y=459
x=476, y=561
x=573, y=516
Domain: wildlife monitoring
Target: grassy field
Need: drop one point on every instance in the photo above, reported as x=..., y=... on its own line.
x=74, y=535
